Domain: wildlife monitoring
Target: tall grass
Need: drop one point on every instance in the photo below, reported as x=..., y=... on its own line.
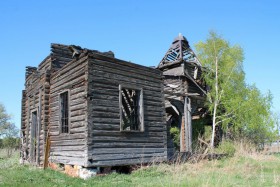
x=246, y=167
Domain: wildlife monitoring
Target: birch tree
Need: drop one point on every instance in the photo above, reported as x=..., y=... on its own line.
x=224, y=67
x=230, y=99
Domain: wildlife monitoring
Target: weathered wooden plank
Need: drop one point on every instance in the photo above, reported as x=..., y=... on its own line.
x=116, y=69
x=114, y=112
x=68, y=160
x=56, y=81
x=125, y=145
x=68, y=148
x=78, y=130
x=58, y=86
x=71, y=154
x=101, y=151
x=101, y=102
x=78, y=124
x=81, y=106
x=107, y=157
x=118, y=133
x=126, y=80
x=77, y=118
x=73, y=142
x=122, y=67
x=125, y=63
x=69, y=68
x=125, y=139
x=68, y=137
x=104, y=126
x=120, y=162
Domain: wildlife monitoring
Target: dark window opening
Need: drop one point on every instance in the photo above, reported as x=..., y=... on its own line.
x=131, y=109
x=64, y=112
x=34, y=134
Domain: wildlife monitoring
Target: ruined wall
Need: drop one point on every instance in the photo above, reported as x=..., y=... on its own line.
x=107, y=145
x=35, y=99
x=69, y=148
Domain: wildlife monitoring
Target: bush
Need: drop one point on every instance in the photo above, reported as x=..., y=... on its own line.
x=226, y=147
x=175, y=134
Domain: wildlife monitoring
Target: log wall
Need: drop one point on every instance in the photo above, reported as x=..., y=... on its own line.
x=69, y=148
x=94, y=139
x=107, y=145
x=35, y=99
x=180, y=80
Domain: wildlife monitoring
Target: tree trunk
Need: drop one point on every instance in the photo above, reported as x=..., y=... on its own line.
x=216, y=102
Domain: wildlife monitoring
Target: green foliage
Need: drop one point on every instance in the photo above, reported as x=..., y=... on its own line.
x=198, y=128
x=8, y=132
x=4, y=120
x=7, y=129
x=175, y=135
x=235, y=171
x=10, y=142
x=226, y=147
x=207, y=133
x=254, y=120
x=240, y=108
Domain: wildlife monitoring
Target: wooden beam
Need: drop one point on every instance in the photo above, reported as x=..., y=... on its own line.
x=47, y=151
x=186, y=127
x=181, y=93
x=188, y=123
x=183, y=135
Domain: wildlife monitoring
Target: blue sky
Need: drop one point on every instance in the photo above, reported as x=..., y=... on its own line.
x=137, y=31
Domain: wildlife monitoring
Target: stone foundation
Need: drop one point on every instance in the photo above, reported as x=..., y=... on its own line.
x=75, y=171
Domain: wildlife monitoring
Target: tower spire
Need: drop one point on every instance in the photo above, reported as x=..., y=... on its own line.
x=179, y=50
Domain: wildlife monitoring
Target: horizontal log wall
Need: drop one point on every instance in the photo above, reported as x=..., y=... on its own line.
x=107, y=145
x=177, y=82
x=181, y=86
x=61, y=55
x=178, y=86
x=23, y=135
x=35, y=99
x=190, y=69
x=69, y=148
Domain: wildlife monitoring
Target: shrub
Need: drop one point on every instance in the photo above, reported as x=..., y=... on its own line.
x=175, y=134
x=226, y=147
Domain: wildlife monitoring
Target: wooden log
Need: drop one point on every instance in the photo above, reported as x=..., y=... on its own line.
x=107, y=157
x=116, y=69
x=125, y=79
x=125, y=145
x=68, y=137
x=101, y=151
x=121, y=62
x=188, y=124
x=47, y=151
x=126, y=162
x=69, y=67
x=68, y=148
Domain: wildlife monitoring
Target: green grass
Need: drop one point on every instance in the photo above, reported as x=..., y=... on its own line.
x=248, y=170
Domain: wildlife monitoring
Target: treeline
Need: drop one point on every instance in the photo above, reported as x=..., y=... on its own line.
x=9, y=145
x=10, y=142
x=9, y=133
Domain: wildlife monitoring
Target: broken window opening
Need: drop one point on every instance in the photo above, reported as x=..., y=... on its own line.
x=131, y=109
x=64, y=112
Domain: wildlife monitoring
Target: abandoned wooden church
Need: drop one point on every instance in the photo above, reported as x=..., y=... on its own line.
x=87, y=108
